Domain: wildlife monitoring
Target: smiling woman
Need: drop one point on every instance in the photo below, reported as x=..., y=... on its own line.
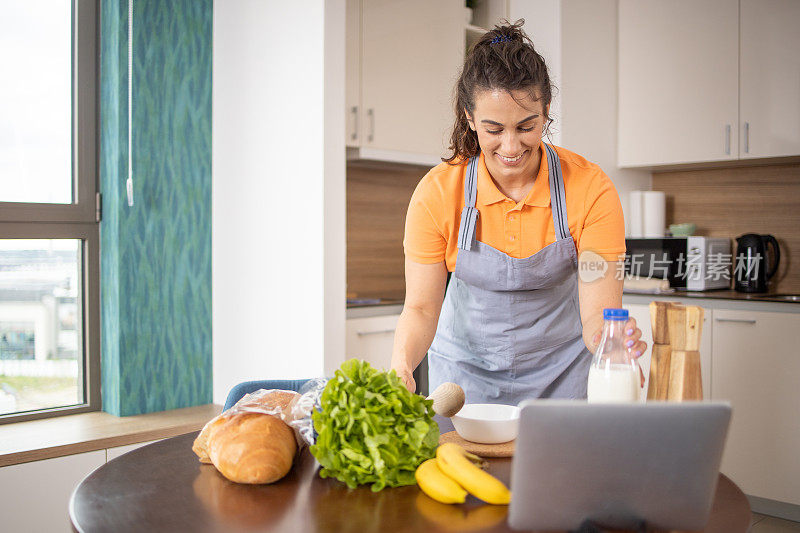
x=508, y=215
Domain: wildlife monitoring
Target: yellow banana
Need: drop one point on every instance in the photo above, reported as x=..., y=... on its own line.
x=459, y=517
x=438, y=486
x=457, y=463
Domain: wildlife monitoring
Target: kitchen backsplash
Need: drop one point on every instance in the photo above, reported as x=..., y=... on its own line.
x=732, y=201
x=722, y=202
x=377, y=201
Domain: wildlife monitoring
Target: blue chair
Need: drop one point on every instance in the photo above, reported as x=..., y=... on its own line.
x=238, y=392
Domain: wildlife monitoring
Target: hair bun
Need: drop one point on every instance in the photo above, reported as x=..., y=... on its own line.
x=505, y=32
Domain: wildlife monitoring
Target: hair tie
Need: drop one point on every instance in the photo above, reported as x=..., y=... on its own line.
x=501, y=39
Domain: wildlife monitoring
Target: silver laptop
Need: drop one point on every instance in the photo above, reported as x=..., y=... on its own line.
x=616, y=464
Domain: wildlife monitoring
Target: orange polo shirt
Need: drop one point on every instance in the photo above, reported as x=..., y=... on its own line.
x=519, y=229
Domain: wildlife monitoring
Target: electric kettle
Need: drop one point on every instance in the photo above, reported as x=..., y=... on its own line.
x=752, y=267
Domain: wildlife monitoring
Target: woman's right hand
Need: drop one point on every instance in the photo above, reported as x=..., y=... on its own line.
x=407, y=377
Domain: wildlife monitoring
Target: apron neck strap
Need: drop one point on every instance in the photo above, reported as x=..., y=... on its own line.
x=558, y=201
x=471, y=182
x=469, y=216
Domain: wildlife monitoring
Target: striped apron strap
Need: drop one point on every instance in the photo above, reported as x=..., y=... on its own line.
x=469, y=216
x=558, y=201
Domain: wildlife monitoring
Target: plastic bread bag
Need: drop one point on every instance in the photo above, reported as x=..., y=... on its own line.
x=308, y=401
x=294, y=408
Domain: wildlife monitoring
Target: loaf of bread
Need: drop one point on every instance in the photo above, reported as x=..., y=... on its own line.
x=246, y=444
x=252, y=448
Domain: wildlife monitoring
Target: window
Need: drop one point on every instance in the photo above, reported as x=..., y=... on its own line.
x=49, y=238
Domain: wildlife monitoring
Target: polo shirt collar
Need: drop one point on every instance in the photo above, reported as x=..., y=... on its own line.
x=539, y=195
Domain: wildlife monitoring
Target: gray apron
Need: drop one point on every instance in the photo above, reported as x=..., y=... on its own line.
x=510, y=329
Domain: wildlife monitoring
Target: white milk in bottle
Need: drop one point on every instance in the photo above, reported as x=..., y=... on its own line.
x=615, y=383
x=614, y=374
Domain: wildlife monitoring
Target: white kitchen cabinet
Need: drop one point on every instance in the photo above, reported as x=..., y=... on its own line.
x=712, y=80
x=409, y=55
x=371, y=339
x=35, y=496
x=641, y=313
x=352, y=71
x=770, y=78
x=678, y=81
x=756, y=364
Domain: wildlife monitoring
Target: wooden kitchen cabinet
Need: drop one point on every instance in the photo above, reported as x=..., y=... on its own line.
x=769, y=78
x=408, y=58
x=641, y=313
x=756, y=362
x=371, y=339
x=678, y=81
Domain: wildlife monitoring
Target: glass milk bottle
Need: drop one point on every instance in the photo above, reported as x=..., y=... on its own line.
x=614, y=374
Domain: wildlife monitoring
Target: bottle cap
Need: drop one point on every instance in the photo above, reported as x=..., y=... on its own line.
x=615, y=314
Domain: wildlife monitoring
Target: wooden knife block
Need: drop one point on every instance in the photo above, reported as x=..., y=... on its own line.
x=675, y=362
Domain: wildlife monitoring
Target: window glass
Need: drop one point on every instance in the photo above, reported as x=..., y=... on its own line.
x=36, y=101
x=40, y=324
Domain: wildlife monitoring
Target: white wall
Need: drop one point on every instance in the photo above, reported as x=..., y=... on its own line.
x=278, y=203
x=589, y=89
x=543, y=26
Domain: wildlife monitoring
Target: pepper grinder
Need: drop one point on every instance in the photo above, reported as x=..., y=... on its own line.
x=448, y=399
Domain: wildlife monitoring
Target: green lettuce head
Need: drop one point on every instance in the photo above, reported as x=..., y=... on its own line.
x=371, y=429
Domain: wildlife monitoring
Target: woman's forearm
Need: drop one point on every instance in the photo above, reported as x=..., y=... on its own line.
x=594, y=296
x=412, y=338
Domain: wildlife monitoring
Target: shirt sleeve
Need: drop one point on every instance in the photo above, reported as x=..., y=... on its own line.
x=604, y=226
x=423, y=242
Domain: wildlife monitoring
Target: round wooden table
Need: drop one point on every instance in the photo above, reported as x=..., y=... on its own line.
x=163, y=487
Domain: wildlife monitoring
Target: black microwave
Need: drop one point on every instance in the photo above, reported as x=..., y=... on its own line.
x=689, y=263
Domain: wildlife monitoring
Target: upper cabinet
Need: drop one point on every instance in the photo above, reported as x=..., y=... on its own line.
x=769, y=110
x=678, y=81
x=403, y=59
x=698, y=82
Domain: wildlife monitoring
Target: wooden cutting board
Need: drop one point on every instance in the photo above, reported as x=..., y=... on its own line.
x=504, y=449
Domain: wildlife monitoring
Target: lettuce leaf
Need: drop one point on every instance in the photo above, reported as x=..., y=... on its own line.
x=371, y=429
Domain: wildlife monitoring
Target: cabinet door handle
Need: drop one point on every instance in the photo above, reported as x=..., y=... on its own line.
x=746, y=137
x=354, y=111
x=371, y=115
x=739, y=320
x=376, y=332
x=728, y=139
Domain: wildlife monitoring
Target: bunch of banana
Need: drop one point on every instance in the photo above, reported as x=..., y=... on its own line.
x=446, y=477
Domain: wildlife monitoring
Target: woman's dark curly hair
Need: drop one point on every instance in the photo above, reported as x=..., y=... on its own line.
x=503, y=59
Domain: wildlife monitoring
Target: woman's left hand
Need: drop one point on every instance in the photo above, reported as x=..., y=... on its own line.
x=632, y=341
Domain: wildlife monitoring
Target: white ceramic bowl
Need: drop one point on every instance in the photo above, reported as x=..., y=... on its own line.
x=487, y=423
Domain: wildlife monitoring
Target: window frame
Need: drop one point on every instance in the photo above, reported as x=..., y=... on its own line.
x=80, y=219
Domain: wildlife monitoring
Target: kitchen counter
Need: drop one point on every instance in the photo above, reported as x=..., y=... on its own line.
x=357, y=303
x=722, y=294
x=720, y=299
x=723, y=299
x=376, y=307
